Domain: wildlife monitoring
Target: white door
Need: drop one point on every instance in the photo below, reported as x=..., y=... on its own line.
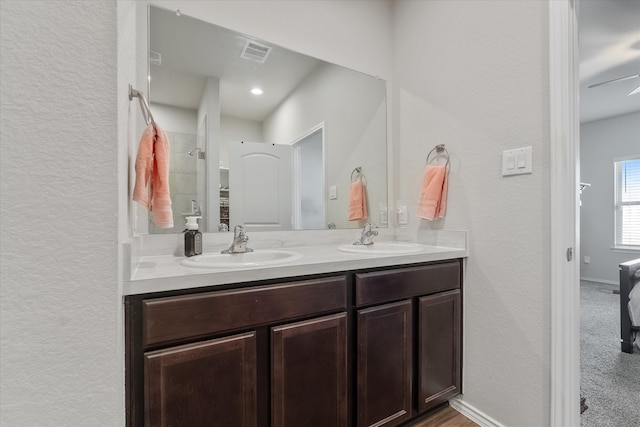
x=260, y=188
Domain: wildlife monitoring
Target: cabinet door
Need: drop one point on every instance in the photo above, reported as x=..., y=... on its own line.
x=211, y=383
x=384, y=364
x=309, y=373
x=439, y=348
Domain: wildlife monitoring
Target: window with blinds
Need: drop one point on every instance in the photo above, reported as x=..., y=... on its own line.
x=627, y=203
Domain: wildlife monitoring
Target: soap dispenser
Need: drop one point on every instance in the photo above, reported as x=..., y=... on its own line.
x=192, y=237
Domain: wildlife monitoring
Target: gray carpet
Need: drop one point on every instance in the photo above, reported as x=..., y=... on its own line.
x=610, y=379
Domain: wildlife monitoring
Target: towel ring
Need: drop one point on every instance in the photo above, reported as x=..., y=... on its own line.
x=439, y=149
x=356, y=171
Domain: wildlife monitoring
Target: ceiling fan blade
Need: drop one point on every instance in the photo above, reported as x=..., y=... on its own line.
x=619, y=79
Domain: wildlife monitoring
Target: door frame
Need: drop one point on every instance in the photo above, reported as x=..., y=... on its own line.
x=564, y=213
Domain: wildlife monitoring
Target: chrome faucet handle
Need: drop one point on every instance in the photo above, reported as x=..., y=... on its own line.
x=368, y=233
x=239, y=243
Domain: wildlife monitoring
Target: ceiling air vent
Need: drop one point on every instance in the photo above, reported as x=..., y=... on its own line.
x=255, y=51
x=155, y=58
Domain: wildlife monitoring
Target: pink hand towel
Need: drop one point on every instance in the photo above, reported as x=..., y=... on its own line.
x=433, y=194
x=152, y=167
x=357, y=201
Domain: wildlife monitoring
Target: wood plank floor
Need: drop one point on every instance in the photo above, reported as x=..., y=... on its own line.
x=447, y=417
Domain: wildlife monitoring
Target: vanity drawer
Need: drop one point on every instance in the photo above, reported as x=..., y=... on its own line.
x=179, y=318
x=390, y=285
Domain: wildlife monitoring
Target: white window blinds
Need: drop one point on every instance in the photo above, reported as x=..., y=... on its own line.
x=627, y=203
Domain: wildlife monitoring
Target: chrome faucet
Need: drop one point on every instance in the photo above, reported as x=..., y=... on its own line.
x=239, y=244
x=368, y=233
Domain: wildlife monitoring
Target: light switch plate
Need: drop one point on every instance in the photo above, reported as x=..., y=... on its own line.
x=333, y=192
x=517, y=161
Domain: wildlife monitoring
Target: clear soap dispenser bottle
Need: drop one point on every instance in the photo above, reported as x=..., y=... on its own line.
x=192, y=237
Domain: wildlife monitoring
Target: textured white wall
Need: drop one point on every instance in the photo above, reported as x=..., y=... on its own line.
x=60, y=349
x=474, y=75
x=601, y=142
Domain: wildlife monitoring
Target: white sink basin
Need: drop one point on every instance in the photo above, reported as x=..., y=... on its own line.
x=383, y=248
x=257, y=258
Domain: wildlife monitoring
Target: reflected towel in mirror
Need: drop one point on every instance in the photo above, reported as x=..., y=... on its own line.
x=357, y=201
x=433, y=193
x=152, y=168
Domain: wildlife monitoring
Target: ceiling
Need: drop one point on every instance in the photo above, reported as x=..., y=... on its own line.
x=192, y=49
x=609, y=46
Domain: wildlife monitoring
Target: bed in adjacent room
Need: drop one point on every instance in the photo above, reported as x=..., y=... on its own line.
x=630, y=304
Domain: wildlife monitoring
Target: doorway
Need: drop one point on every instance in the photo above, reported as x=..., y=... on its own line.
x=309, y=207
x=565, y=215
x=608, y=132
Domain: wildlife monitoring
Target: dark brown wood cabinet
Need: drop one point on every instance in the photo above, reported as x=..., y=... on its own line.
x=408, y=351
x=439, y=340
x=385, y=349
x=309, y=373
x=207, y=384
x=357, y=348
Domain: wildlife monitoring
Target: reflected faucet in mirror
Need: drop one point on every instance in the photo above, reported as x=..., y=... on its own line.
x=239, y=243
x=195, y=208
x=368, y=233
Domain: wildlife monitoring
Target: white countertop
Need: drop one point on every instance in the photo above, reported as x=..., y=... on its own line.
x=158, y=273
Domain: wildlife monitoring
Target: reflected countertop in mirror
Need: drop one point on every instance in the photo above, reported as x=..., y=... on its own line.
x=276, y=161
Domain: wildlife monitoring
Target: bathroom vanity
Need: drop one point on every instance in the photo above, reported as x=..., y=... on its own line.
x=335, y=336
x=360, y=346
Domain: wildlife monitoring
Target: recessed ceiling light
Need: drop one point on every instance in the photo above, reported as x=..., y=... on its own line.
x=256, y=91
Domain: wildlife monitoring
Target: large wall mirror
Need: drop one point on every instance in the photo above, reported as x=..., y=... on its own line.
x=261, y=135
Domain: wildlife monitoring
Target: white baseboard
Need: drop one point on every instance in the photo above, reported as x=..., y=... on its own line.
x=608, y=282
x=472, y=413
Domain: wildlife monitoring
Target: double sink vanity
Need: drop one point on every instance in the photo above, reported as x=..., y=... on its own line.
x=293, y=334
x=307, y=329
